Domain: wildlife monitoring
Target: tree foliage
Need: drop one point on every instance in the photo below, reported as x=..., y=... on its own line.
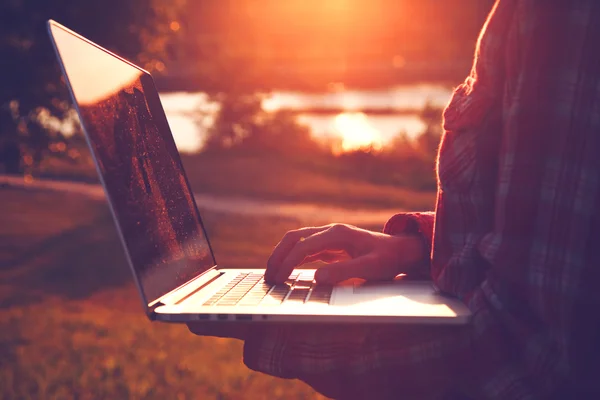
x=241, y=123
x=32, y=91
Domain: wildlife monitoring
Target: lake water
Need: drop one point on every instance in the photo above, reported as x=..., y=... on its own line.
x=346, y=122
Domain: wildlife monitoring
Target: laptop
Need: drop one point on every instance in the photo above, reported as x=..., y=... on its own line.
x=165, y=242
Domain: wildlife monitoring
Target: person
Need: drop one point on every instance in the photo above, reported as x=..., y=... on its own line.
x=515, y=235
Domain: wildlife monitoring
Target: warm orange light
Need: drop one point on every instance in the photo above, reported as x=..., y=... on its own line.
x=336, y=6
x=159, y=66
x=83, y=61
x=398, y=61
x=336, y=86
x=175, y=26
x=356, y=132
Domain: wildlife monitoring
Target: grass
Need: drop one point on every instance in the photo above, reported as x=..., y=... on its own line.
x=316, y=180
x=71, y=324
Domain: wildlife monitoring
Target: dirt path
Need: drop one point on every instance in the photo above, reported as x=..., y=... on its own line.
x=304, y=212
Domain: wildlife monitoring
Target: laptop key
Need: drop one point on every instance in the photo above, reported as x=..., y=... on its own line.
x=276, y=295
x=250, y=289
x=297, y=296
x=320, y=294
x=227, y=289
x=256, y=294
x=240, y=291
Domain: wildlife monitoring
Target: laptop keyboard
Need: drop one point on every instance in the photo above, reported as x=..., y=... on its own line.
x=249, y=289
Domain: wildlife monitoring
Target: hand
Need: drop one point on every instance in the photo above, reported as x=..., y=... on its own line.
x=353, y=252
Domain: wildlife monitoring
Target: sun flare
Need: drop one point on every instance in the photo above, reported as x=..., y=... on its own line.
x=355, y=132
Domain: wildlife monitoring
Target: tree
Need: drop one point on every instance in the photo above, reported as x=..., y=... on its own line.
x=428, y=141
x=242, y=124
x=32, y=92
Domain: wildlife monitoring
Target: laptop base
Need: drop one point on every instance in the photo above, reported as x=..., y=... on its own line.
x=398, y=301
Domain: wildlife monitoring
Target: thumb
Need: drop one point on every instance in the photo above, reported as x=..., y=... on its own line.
x=361, y=267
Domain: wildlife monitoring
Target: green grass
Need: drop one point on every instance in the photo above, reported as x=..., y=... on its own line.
x=71, y=324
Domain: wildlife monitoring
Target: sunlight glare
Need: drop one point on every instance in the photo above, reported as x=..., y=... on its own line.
x=185, y=133
x=356, y=132
x=82, y=61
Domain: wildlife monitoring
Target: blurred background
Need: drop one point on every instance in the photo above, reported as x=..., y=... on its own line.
x=286, y=113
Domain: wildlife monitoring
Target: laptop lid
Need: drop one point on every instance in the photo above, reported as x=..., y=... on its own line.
x=138, y=164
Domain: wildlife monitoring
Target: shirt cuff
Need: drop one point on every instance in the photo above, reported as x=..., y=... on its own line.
x=416, y=223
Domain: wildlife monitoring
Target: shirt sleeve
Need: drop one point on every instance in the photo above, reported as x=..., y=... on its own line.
x=536, y=319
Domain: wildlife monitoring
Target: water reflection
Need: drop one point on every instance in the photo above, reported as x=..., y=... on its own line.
x=413, y=97
x=386, y=127
x=355, y=132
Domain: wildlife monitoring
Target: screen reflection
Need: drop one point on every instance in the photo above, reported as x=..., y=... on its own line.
x=140, y=166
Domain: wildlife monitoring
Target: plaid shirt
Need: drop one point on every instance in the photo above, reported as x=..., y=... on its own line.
x=515, y=234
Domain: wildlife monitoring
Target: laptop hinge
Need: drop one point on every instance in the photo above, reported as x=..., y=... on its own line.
x=187, y=289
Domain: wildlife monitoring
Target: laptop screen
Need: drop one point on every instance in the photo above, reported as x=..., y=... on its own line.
x=139, y=165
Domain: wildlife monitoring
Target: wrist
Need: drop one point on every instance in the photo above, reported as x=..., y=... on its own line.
x=415, y=248
x=416, y=233
x=412, y=254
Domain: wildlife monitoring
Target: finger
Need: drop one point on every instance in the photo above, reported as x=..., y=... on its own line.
x=327, y=240
x=282, y=249
x=361, y=267
x=222, y=330
x=327, y=257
